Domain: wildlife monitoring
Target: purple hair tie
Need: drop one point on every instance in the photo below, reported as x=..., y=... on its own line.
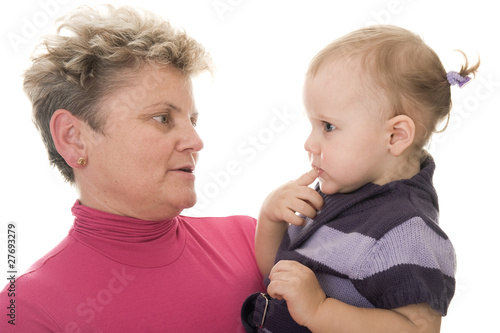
x=455, y=78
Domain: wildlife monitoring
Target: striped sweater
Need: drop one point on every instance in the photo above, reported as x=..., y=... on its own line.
x=380, y=246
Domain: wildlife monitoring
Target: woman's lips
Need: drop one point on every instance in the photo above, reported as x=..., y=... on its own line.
x=184, y=171
x=184, y=168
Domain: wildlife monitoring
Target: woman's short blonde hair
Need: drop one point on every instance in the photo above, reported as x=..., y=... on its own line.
x=88, y=58
x=406, y=70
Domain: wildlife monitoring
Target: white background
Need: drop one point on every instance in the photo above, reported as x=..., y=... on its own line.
x=261, y=50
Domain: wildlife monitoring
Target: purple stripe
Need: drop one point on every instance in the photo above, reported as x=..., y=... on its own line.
x=356, y=255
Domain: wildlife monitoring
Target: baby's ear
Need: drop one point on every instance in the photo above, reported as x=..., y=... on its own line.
x=402, y=133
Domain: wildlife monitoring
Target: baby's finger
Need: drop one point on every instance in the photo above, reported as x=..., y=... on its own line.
x=307, y=178
x=305, y=208
x=278, y=286
x=292, y=218
x=284, y=265
x=310, y=196
x=313, y=198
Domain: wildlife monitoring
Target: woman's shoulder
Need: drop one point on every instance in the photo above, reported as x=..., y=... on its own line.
x=55, y=267
x=222, y=222
x=234, y=229
x=53, y=254
x=41, y=281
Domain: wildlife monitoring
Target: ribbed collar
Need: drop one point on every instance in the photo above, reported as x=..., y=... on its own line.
x=129, y=240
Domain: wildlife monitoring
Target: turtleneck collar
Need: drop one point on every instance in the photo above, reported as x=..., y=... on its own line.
x=128, y=240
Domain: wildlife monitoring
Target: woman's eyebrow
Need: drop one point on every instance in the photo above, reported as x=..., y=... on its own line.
x=167, y=105
x=163, y=105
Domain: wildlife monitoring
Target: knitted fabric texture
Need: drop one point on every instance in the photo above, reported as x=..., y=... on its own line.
x=379, y=247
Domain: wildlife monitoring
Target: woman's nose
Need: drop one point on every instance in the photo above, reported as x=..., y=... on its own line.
x=190, y=140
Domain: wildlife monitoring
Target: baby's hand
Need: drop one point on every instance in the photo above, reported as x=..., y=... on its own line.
x=291, y=199
x=300, y=288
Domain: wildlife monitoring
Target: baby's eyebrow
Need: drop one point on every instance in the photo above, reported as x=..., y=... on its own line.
x=322, y=117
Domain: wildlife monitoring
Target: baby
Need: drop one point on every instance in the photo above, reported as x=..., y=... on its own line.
x=364, y=252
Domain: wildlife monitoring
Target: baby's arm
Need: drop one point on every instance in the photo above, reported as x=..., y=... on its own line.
x=309, y=306
x=278, y=210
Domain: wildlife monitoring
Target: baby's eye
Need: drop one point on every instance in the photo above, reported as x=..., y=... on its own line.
x=328, y=127
x=163, y=119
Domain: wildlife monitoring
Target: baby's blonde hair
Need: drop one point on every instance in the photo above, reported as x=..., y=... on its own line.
x=93, y=53
x=409, y=73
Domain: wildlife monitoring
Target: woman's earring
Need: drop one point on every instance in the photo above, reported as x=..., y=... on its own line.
x=81, y=161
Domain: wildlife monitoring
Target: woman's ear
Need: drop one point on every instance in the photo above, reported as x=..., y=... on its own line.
x=402, y=134
x=66, y=134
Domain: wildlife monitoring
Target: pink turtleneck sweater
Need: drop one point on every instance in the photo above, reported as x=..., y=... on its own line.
x=119, y=274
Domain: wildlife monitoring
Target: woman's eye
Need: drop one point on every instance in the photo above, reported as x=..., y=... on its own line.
x=163, y=119
x=194, y=121
x=328, y=127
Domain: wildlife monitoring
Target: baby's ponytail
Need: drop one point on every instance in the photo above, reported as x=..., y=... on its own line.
x=462, y=77
x=465, y=70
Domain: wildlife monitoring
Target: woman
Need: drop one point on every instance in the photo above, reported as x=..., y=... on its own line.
x=112, y=98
